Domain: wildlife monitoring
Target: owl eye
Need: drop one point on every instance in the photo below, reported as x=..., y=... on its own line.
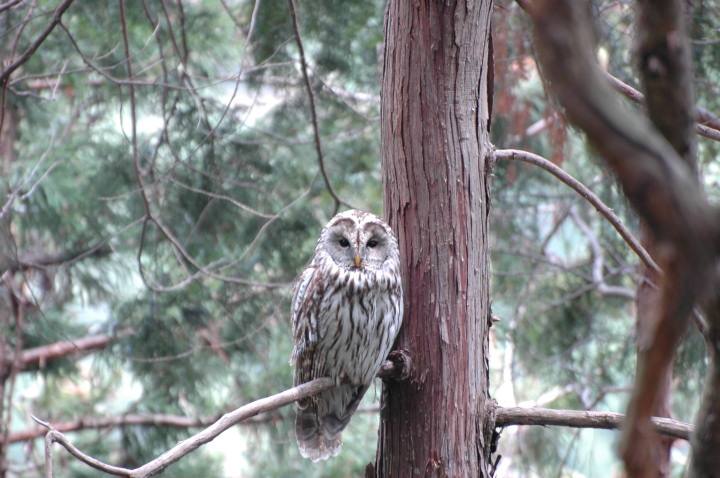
x=372, y=243
x=344, y=243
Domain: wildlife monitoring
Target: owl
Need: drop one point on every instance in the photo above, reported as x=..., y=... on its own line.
x=347, y=308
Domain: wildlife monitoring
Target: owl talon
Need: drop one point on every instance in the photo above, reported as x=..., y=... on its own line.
x=398, y=366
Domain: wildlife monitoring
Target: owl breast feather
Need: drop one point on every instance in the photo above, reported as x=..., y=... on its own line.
x=358, y=325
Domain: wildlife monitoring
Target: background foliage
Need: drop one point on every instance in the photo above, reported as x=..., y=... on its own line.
x=184, y=246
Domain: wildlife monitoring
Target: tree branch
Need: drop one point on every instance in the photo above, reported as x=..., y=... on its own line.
x=598, y=263
x=5, y=75
x=583, y=419
x=9, y=5
x=42, y=354
x=587, y=194
x=313, y=113
x=708, y=124
x=186, y=446
x=129, y=419
x=398, y=366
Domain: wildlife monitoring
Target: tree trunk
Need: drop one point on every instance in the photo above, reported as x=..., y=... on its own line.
x=665, y=73
x=435, y=121
x=647, y=302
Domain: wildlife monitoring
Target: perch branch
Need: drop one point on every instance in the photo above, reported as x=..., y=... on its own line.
x=187, y=446
x=398, y=366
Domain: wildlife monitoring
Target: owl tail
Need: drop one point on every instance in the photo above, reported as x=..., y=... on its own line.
x=321, y=419
x=318, y=438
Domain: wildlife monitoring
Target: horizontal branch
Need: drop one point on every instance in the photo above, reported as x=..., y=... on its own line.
x=504, y=417
x=98, y=423
x=42, y=354
x=44, y=260
x=399, y=365
x=152, y=420
x=584, y=419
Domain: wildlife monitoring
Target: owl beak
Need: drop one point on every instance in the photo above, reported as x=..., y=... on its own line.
x=358, y=261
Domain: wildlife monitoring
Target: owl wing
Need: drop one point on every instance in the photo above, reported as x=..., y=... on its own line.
x=307, y=295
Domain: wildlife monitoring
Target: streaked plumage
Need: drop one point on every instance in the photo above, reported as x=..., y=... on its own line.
x=346, y=311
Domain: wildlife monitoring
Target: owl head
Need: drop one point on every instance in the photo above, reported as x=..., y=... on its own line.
x=358, y=240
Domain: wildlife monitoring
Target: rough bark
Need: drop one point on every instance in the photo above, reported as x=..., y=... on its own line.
x=664, y=66
x=435, y=116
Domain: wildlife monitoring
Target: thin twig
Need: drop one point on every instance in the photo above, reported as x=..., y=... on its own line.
x=587, y=194
x=707, y=123
x=36, y=44
x=598, y=265
x=54, y=436
x=16, y=193
x=8, y=5
x=313, y=112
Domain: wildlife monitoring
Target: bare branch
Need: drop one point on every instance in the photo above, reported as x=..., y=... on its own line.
x=130, y=419
x=55, y=436
x=36, y=44
x=708, y=124
x=17, y=194
x=187, y=446
x=313, y=113
x=44, y=353
x=586, y=193
x=583, y=419
x=598, y=273
x=397, y=366
x=9, y=5
x=660, y=185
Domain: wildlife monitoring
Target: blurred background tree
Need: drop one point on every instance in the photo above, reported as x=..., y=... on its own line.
x=161, y=198
x=564, y=280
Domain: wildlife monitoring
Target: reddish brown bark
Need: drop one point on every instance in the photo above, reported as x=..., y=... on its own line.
x=647, y=303
x=664, y=65
x=435, y=118
x=661, y=187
